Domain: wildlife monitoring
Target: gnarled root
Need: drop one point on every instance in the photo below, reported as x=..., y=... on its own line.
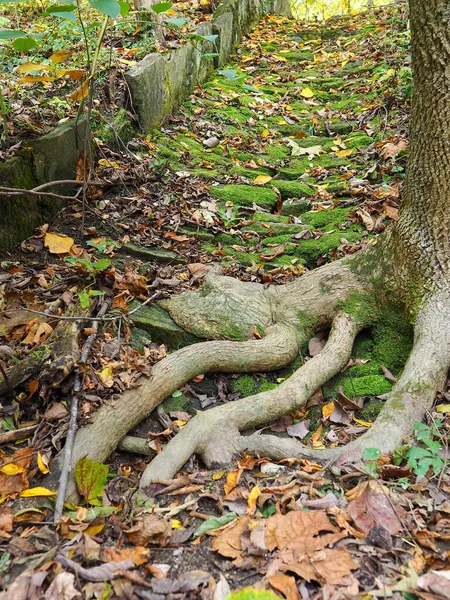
x=214, y=434
x=113, y=421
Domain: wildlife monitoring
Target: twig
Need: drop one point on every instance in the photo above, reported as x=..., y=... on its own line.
x=82, y=318
x=73, y=420
x=17, y=434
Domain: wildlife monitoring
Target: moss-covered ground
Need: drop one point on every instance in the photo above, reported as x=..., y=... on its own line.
x=287, y=130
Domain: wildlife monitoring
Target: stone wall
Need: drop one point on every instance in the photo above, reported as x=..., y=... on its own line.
x=159, y=83
x=51, y=157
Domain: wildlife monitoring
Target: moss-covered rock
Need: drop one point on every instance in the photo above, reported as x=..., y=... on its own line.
x=326, y=219
x=119, y=131
x=245, y=384
x=369, y=385
x=162, y=328
x=371, y=410
x=245, y=195
x=292, y=189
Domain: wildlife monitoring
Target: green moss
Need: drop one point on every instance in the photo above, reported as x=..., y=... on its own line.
x=229, y=240
x=276, y=153
x=245, y=195
x=369, y=368
x=306, y=321
x=311, y=250
x=267, y=217
x=167, y=152
x=181, y=402
x=358, y=140
x=245, y=384
x=369, y=385
x=206, y=174
x=297, y=56
x=315, y=417
x=362, y=307
x=119, y=132
x=295, y=208
x=393, y=338
x=266, y=386
x=371, y=410
x=327, y=219
x=293, y=189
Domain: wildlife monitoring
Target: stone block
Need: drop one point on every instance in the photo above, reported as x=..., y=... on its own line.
x=223, y=27
x=146, y=83
x=158, y=255
x=162, y=328
x=281, y=7
x=56, y=154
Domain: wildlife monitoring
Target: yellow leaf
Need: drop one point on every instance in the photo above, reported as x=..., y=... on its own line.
x=104, y=162
x=265, y=133
x=219, y=475
x=30, y=66
x=74, y=74
x=58, y=244
x=60, y=56
x=252, y=498
x=106, y=376
x=316, y=435
x=42, y=464
x=35, y=79
x=282, y=58
x=81, y=92
x=307, y=93
x=176, y=524
x=94, y=529
x=327, y=410
x=443, y=408
x=179, y=423
x=262, y=179
x=363, y=423
x=232, y=480
x=37, y=491
x=344, y=153
x=11, y=469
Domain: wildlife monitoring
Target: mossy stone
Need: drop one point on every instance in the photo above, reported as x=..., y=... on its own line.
x=159, y=255
x=295, y=208
x=245, y=195
x=162, y=328
x=369, y=385
x=120, y=131
x=371, y=410
x=181, y=402
x=292, y=189
x=139, y=339
x=327, y=219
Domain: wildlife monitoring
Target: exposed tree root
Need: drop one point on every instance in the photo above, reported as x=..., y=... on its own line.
x=113, y=421
x=214, y=434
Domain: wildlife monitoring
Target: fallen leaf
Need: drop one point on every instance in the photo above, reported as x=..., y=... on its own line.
x=138, y=554
x=81, y=92
x=57, y=243
x=62, y=588
x=373, y=507
x=37, y=491
x=285, y=585
x=232, y=480
x=262, y=179
x=252, y=500
x=307, y=93
x=228, y=543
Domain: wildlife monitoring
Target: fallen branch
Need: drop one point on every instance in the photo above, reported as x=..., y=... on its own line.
x=73, y=418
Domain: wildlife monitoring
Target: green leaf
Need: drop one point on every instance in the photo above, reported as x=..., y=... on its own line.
x=124, y=8
x=96, y=293
x=161, y=7
x=229, y=74
x=214, y=523
x=251, y=594
x=102, y=264
x=11, y=34
x=416, y=452
x=269, y=509
x=371, y=454
x=203, y=38
x=106, y=7
x=93, y=513
x=84, y=299
x=24, y=44
x=63, y=11
x=176, y=21
x=91, y=478
x=433, y=445
x=251, y=88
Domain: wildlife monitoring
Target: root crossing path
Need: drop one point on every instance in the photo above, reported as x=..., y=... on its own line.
x=292, y=150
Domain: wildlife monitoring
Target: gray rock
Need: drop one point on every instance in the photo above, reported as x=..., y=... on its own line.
x=161, y=327
x=146, y=83
x=159, y=255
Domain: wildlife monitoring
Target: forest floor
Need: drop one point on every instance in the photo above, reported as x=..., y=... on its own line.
x=290, y=157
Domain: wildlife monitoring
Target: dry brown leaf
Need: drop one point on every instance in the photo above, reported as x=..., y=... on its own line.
x=301, y=530
x=326, y=565
x=285, y=585
x=6, y=522
x=55, y=412
x=138, y=554
x=228, y=543
x=373, y=507
x=151, y=529
x=37, y=334
x=58, y=243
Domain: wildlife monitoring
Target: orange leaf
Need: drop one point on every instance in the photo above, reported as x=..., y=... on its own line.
x=252, y=499
x=232, y=480
x=81, y=92
x=284, y=584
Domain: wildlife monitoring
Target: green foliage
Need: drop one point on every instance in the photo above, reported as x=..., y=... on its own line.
x=214, y=523
x=425, y=457
x=251, y=594
x=245, y=384
x=91, y=478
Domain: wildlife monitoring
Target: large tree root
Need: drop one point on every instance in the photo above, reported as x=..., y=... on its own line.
x=215, y=434
x=113, y=421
